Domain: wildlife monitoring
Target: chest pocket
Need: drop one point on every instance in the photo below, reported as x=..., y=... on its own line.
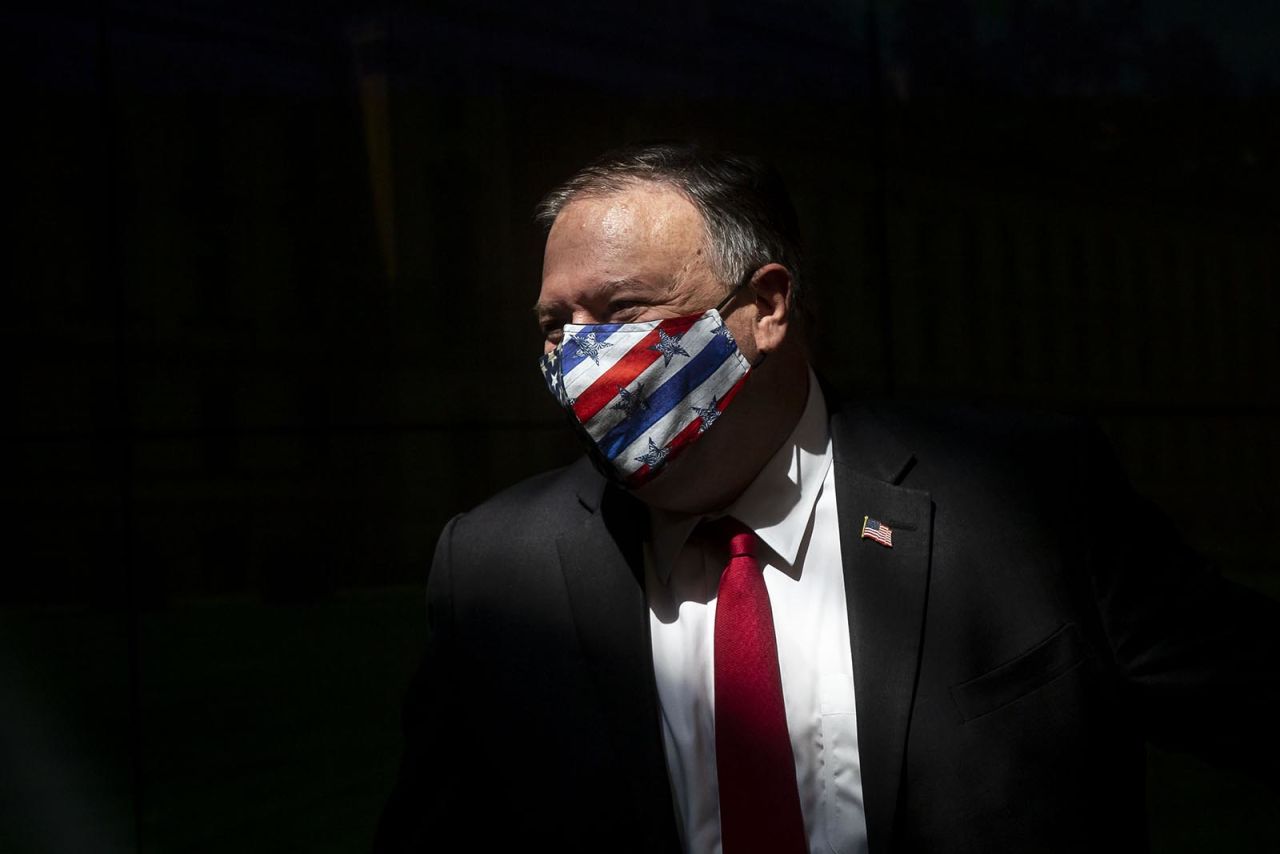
x=1033, y=669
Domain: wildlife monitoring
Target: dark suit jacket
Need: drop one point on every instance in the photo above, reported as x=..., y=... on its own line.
x=1033, y=623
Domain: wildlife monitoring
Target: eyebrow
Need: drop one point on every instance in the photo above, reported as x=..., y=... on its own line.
x=607, y=287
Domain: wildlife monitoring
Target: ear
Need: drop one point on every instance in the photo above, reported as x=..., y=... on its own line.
x=772, y=286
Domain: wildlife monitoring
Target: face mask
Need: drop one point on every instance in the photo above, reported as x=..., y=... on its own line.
x=639, y=394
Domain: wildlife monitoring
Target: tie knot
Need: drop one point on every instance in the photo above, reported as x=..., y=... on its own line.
x=728, y=532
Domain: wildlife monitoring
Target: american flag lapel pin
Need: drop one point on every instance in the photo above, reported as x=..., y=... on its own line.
x=878, y=531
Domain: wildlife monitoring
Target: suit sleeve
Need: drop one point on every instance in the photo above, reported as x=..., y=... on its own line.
x=1199, y=655
x=421, y=814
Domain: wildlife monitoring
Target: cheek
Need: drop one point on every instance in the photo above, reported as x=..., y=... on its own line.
x=743, y=332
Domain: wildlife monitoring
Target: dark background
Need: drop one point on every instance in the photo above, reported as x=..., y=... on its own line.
x=267, y=327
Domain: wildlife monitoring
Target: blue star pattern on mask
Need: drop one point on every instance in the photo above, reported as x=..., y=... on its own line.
x=668, y=346
x=550, y=364
x=589, y=347
x=630, y=402
x=653, y=457
x=708, y=414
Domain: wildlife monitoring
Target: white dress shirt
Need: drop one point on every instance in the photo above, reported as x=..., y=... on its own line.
x=791, y=506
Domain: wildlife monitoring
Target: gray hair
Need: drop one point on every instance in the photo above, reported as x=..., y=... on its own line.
x=746, y=211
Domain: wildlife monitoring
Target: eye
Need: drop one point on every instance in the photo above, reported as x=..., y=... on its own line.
x=625, y=309
x=552, y=327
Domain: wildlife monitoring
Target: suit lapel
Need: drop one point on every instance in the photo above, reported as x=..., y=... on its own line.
x=885, y=592
x=603, y=568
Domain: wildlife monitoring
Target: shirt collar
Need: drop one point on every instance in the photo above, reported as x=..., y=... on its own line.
x=779, y=502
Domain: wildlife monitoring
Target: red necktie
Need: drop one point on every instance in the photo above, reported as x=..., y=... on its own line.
x=759, y=802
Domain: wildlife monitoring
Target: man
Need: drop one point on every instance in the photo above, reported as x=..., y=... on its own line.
x=763, y=621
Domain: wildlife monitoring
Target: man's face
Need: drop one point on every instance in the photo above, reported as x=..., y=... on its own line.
x=640, y=254
x=631, y=256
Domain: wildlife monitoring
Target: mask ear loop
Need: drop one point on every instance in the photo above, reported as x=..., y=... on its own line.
x=746, y=280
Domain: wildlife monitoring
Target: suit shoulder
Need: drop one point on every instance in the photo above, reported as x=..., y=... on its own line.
x=981, y=431
x=989, y=447
x=974, y=424
x=527, y=513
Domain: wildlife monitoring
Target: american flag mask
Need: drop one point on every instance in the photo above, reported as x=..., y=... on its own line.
x=641, y=393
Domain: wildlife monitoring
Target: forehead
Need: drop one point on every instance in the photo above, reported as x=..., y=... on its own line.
x=646, y=232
